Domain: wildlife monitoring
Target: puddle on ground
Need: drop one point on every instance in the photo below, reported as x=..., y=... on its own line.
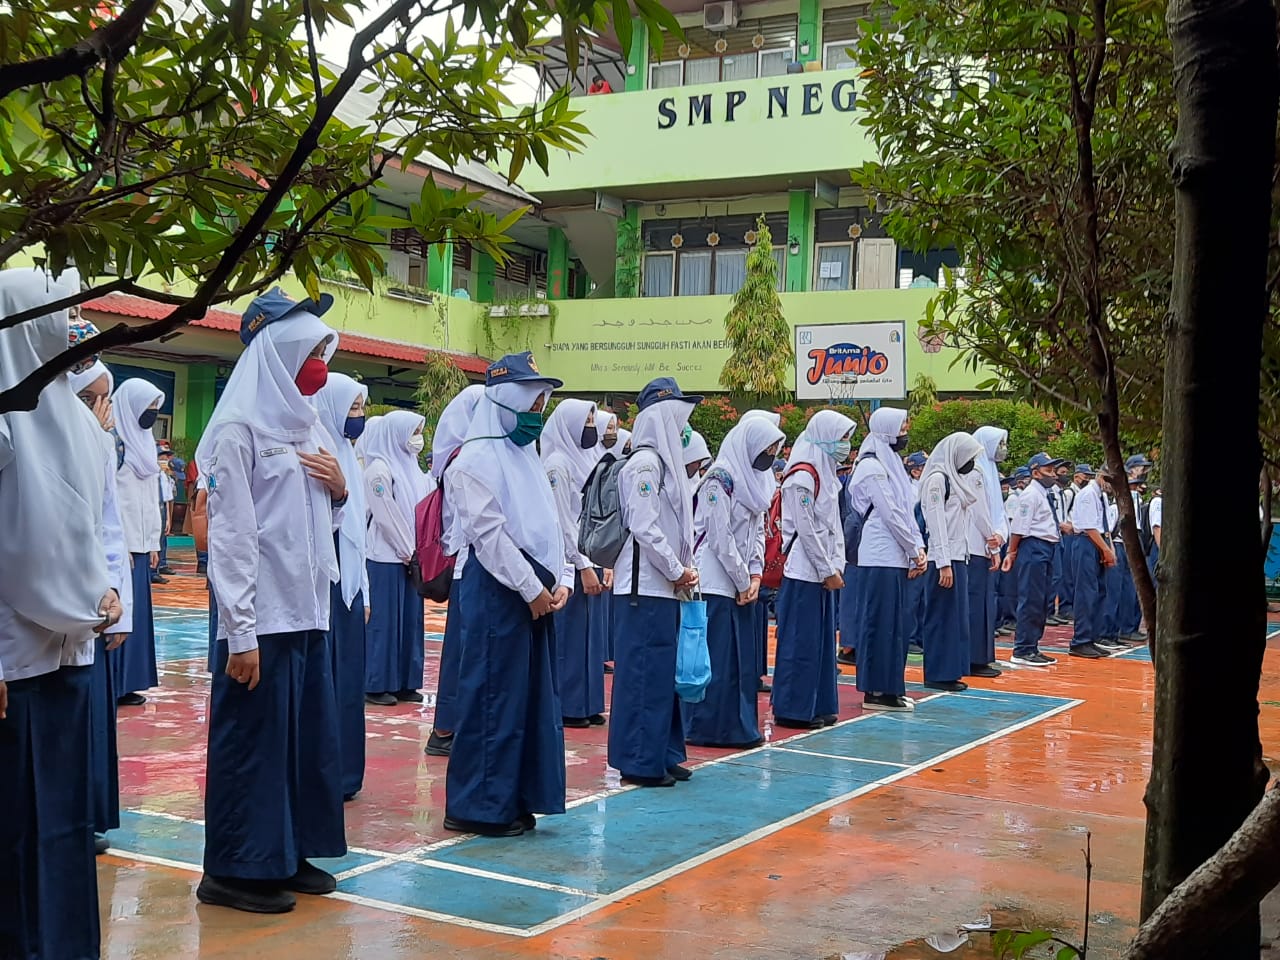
x=969, y=939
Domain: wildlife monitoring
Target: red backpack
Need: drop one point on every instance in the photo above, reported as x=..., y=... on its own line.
x=432, y=568
x=775, y=554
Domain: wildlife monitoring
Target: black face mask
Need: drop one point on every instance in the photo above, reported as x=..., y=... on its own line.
x=589, y=437
x=1047, y=482
x=1064, y=480
x=900, y=444
x=148, y=419
x=693, y=469
x=762, y=462
x=609, y=440
x=967, y=468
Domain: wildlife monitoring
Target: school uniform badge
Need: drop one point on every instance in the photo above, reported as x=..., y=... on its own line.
x=379, y=489
x=645, y=488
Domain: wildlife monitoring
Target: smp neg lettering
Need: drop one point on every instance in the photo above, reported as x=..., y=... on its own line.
x=701, y=109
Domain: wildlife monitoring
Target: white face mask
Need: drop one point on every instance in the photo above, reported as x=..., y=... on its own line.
x=415, y=444
x=1002, y=451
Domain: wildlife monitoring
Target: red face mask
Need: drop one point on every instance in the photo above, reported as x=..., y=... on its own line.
x=312, y=376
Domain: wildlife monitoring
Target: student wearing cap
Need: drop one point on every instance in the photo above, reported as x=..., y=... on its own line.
x=507, y=759
x=273, y=793
x=1127, y=612
x=1034, y=534
x=646, y=731
x=914, y=609
x=136, y=405
x=1060, y=580
x=168, y=493
x=1089, y=519
x=984, y=560
x=340, y=405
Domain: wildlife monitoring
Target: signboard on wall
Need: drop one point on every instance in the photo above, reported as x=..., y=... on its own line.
x=851, y=361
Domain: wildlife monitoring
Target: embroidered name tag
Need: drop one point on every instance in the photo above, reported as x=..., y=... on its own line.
x=273, y=452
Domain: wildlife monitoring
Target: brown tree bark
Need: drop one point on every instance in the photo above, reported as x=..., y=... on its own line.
x=1207, y=770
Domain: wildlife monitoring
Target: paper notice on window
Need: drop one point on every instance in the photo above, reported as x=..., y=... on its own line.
x=830, y=270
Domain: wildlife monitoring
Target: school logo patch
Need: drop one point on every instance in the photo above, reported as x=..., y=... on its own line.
x=379, y=489
x=933, y=498
x=646, y=488
x=805, y=500
x=712, y=498
x=552, y=479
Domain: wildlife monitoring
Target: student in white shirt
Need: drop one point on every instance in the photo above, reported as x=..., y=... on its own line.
x=569, y=443
x=1089, y=520
x=764, y=606
x=507, y=759
x=891, y=552
x=1155, y=516
x=55, y=593
x=340, y=405
x=394, y=486
x=600, y=607
x=984, y=563
x=1034, y=534
x=914, y=609
x=697, y=459
x=646, y=732
x=273, y=794
x=729, y=555
x=804, y=673
x=136, y=404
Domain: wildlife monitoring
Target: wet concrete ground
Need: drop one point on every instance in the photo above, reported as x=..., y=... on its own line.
x=856, y=842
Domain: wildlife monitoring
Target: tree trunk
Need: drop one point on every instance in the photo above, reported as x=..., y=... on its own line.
x=1207, y=770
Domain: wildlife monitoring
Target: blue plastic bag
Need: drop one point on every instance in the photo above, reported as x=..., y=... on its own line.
x=693, y=660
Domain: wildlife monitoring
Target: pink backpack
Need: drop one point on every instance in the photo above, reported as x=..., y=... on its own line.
x=432, y=568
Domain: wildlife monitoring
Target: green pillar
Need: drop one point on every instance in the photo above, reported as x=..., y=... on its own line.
x=440, y=268
x=582, y=282
x=201, y=378
x=638, y=55
x=800, y=224
x=486, y=273
x=808, y=31
x=557, y=265
x=626, y=274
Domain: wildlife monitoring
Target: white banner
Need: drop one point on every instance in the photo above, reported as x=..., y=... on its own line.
x=851, y=361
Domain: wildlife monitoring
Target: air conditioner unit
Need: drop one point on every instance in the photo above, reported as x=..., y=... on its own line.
x=540, y=263
x=720, y=16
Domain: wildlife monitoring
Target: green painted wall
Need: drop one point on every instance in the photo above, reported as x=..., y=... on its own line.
x=557, y=265
x=440, y=267
x=486, y=274
x=201, y=379
x=800, y=226
x=808, y=26
x=638, y=56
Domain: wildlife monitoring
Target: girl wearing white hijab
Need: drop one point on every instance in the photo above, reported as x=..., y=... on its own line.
x=507, y=760
x=764, y=607
x=446, y=441
x=729, y=554
x=891, y=550
x=697, y=459
x=804, y=674
x=601, y=607
x=624, y=441
x=273, y=794
x=394, y=486
x=607, y=430
x=136, y=405
x=569, y=444
x=646, y=733
x=54, y=594
x=340, y=405
x=983, y=567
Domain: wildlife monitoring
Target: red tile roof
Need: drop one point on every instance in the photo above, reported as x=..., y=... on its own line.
x=124, y=305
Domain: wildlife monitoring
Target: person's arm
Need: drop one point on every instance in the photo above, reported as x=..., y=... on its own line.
x=562, y=494
x=1154, y=517
x=716, y=508
x=933, y=502
x=641, y=507
x=797, y=506
x=233, y=538
x=385, y=512
x=901, y=527
x=483, y=526
x=755, y=563
x=117, y=553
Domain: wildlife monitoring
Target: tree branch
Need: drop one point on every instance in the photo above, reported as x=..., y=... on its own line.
x=121, y=285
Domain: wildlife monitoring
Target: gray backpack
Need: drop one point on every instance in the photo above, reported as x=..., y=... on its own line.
x=601, y=532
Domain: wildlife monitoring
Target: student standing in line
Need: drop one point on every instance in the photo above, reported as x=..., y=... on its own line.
x=136, y=405
x=600, y=607
x=891, y=553
x=273, y=794
x=340, y=405
x=446, y=441
x=646, y=732
x=764, y=606
x=1007, y=583
x=1089, y=519
x=984, y=562
x=55, y=594
x=1060, y=584
x=1034, y=533
x=1155, y=516
x=507, y=760
x=569, y=455
x=697, y=459
x=914, y=609
x=804, y=676
x=168, y=491
x=394, y=486
x=729, y=555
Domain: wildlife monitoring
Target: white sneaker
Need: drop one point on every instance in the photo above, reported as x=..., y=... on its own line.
x=1034, y=660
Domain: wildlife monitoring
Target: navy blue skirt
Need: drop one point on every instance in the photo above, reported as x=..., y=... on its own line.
x=134, y=662
x=804, y=671
x=764, y=610
x=507, y=758
x=913, y=611
x=446, y=715
x=646, y=732
x=729, y=715
x=213, y=627
x=394, y=638
x=847, y=615
x=346, y=648
x=49, y=881
x=946, y=625
x=882, y=642
x=600, y=610
x=104, y=761
x=273, y=790
x=982, y=612
x=580, y=653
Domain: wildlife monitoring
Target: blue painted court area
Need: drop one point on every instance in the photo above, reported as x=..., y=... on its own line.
x=610, y=846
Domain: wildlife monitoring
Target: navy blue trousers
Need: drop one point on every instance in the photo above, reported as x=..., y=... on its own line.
x=394, y=638
x=1071, y=547
x=508, y=748
x=48, y=881
x=446, y=715
x=729, y=715
x=1006, y=594
x=580, y=653
x=103, y=757
x=804, y=672
x=764, y=610
x=273, y=790
x=646, y=732
x=1124, y=615
x=600, y=609
x=913, y=611
x=1091, y=597
x=134, y=662
x=213, y=628
x=946, y=624
x=847, y=609
x=882, y=641
x=982, y=611
x=1153, y=560
x=1033, y=568
x=346, y=648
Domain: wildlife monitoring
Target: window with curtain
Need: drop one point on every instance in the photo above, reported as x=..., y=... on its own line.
x=665, y=75
x=833, y=267
x=695, y=274
x=836, y=55
x=731, y=270
x=702, y=71
x=659, y=272
x=742, y=66
x=773, y=63
x=780, y=257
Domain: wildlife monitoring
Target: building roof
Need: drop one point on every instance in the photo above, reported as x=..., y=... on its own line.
x=124, y=305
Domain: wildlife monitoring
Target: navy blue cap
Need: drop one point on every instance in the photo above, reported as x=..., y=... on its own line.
x=1022, y=473
x=917, y=459
x=1087, y=470
x=275, y=305
x=1006, y=480
x=1137, y=460
x=516, y=368
x=664, y=388
x=1042, y=459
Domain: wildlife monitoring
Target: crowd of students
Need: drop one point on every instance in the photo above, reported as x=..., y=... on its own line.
x=312, y=554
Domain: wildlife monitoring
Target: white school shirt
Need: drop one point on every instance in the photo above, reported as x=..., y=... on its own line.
x=890, y=536
x=1089, y=512
x=817, y=548
x=262, y=561
x=451, y=536
x=656, y=530
x=138, y=509
x=947, y=521
x=1035, y=517
x=389, y=539
x=119, y=563
x=1155, y=513
x=1137, y=514
x=168, y=488
x=1011, y=505
x=1113, y=515
x=568, y=500
x=729, y=541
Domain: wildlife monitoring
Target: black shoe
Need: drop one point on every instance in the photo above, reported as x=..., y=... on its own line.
x=159, y=580
x=1054, y=622
x=797, y=724
x=950, y=686
x=380, y=699
x=1111, y=646
x=596, y=719
x=983, y=670
x=202, y=568
x=439, y=746
x=608, y=668
x=100, y=844
x=848, y=657
x=887, y=702
x=1036, y=659
x=915, y=650
x=764, y=687
x=513, y=829
x=828, y=719
x=409, y=696
x=247, y=895
x=348, y=797
x=311, y=880
x=1137, y=638
x=131, y=700
x=528, y=821
x=680, y=773
x=576, y=723
x=1004, y=632
x=664, y=781
x=1089, y=651
x=166, y=571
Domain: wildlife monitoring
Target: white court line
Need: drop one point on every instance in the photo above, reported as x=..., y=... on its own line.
x=836, y=756
x=507, y=878
x=427, y=914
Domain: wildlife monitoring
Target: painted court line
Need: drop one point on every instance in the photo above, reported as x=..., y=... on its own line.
x=835, y=756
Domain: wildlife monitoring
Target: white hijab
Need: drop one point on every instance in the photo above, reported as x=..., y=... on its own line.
x=333, y=403
x=603, y=419
x=85, y=378
x=885, y=425
x=451, y=428
x=990, y=438
x=514, y=475
x=696, y=452
x=772, y=416
x=752, y=488
x=133, y=398
x=659, y=426
x=624, y=437
x=387, y=442
x=953, y=452
x=562, y=441
x=51, y=550
x=362, y=445
x=824, y=428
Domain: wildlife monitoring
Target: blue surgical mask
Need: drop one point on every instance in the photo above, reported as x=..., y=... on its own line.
x=837, y=450
x=686, y=435
x=528, y=426
x=353, y=427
